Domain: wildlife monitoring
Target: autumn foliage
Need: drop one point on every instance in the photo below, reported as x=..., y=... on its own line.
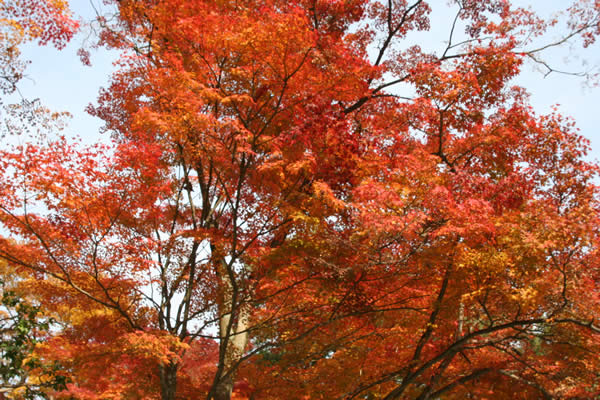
x=299, y=202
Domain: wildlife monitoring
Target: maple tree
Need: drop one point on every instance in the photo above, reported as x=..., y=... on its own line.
x=21, y=21
x=276, y=219
x=22, y=322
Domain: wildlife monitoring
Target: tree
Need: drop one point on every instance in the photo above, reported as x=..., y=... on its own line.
x=275, y=219
x=22, y=327
x=21, y=21
x=23, y=324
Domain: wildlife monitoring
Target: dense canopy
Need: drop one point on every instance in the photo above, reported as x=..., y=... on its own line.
x=301, y=201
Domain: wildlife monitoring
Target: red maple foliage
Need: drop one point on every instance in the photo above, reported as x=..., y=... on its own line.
x=276, y=219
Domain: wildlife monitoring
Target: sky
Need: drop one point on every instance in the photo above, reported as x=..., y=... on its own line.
x=63, y=83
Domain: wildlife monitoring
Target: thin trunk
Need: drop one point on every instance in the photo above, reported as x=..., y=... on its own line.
x=168, y=381
x=234, y=338
x=461, y=318
x=224, y=389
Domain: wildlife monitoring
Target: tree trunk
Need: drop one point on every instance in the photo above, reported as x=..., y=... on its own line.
x=233, y=333
x=224, y=389
x=168, y=381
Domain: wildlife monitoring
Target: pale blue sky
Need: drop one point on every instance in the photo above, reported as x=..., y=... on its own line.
x=62, y=83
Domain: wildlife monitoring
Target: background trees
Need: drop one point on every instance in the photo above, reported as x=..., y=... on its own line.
x=22, y=325
x=276, y=219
